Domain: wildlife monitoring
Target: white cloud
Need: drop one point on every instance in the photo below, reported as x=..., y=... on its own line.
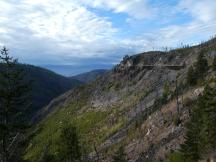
x=68, y=21
x=53, y=27
x=201, y=10
x=139, y=9
x=60, y=31
x=201, y=27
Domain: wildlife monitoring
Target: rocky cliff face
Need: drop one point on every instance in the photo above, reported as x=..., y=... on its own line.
x=127, y=107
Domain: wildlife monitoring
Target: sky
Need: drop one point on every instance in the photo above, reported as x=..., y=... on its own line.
x=88, y=34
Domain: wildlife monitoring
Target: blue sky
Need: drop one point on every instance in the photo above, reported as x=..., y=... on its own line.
x=98, y=33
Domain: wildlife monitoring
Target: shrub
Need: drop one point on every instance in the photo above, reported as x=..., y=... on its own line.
x=176, y=157
x=69, y=145
x=166, y=92
x=120, y=155
x=187, y=101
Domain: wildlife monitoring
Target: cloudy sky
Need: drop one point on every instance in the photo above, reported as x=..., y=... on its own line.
x=98, y=33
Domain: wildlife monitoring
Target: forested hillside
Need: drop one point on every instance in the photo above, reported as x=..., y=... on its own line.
x=45, y=85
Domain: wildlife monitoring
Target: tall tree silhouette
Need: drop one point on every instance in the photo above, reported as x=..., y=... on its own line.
x=13, y=100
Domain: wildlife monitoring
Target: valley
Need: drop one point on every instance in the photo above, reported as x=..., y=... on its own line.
x=107, y=80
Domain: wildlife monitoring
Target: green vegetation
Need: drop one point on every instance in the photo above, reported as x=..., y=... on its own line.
x=176, y=157
x=214, y=63
x=62, y=146
x=114, y=85
x=14, y=99
x=92, y=126
x=166, y=92
x=187, y=101
x=191, y=76
x=45, y=86
x=201, y=130
x=70, y=150
x=198, y=70
x=120, y=155
x=201, y=65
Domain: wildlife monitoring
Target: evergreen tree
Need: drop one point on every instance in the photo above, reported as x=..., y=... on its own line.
x=191, y=76
x=70, y=150
x=201, y=129
x=198, y=71
x=190, y=149
x=214, y=63
x=14, y=93
x=120, y=155
x=201, y=65
x=208, y=133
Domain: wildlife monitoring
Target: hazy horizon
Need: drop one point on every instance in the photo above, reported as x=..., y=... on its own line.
x=73, y=70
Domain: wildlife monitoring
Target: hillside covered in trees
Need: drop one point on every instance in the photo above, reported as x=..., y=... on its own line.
x=45, y=85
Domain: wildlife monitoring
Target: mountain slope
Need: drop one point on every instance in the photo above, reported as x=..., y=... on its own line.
x=133, y=105
x=46, y=85
x=89, y=76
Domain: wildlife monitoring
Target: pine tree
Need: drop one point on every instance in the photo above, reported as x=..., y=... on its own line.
x=208, y=133
x=200, y=139
x=214, y=63
x=190, y=149
x=70, y=150
x=14, y=95
x=120, y=155
x=191, y=76
x=201, y=65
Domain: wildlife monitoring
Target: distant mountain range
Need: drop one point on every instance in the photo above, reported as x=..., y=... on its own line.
x=89, y=76
x=73, y=70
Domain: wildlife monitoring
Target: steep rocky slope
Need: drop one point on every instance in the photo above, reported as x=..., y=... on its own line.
x=126, y=107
